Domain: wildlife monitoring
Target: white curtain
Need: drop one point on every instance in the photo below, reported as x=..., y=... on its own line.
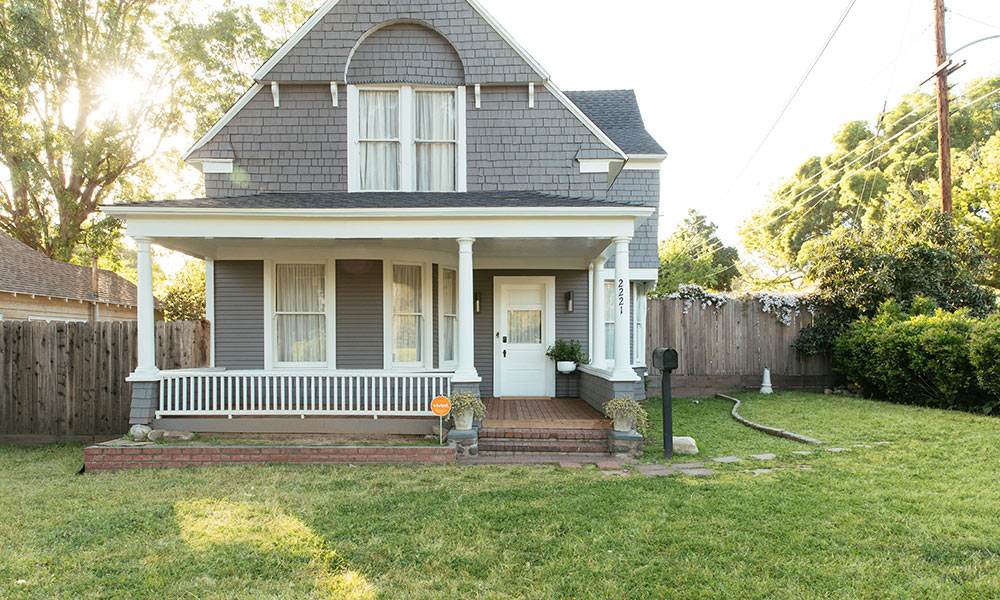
x=610, y=306
x=407, y=313
x=435, y=141
x=378, y=133
x=449, y=313
x=300, y=307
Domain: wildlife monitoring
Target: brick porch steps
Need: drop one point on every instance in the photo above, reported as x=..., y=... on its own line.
x=542, y=434
x=496, y=441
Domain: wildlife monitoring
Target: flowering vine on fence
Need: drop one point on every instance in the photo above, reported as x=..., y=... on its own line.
x=784, y=306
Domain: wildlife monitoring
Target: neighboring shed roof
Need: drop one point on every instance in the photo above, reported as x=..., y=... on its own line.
x=616, y=113
x=27, y=271
x=344, y=200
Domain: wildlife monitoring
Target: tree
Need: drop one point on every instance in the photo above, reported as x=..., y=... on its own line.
x=695, y=254
x=183, y=295
x=873, y=172
x=977, y=200
x=81, y=110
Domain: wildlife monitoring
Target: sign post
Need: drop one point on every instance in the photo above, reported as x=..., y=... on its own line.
x=665, y=359
x=441, y=406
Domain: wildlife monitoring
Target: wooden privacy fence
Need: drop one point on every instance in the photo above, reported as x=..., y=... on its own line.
x=728, y=348
x=66, y=381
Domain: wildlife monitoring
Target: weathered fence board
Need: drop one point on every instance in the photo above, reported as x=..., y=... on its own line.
x=728, y=348
x=66, y=381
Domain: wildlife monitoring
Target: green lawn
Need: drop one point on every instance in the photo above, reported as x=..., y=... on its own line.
x=919, y=518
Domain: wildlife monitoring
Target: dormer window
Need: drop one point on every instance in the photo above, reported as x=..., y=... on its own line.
x=406, y=138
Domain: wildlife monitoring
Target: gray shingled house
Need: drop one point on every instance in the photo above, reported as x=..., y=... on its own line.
x=404, y=205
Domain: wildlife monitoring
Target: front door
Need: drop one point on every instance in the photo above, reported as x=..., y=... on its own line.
x=524, y=330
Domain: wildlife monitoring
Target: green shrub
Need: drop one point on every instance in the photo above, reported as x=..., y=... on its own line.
x=923, y=358
x=985, y=357
x=571, y=351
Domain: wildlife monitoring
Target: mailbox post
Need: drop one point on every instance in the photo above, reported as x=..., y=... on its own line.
x=665, y=359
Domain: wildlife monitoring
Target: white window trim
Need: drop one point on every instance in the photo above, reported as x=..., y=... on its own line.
x=407, y=135
x=446, y=364
x=609, y=353
x=270, y=316
x=638, y=324
x=427, y=347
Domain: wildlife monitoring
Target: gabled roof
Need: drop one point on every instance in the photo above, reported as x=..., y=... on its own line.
x=616, y=113
x=379, y=200
x=24, y=270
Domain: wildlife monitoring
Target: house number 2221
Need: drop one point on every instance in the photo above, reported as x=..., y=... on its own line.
x=621, y=296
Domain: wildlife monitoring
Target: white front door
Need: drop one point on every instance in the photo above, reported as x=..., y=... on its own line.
x=524, y=330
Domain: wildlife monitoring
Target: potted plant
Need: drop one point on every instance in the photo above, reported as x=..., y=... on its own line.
x=627, y=414
x=465, y=406
x=567, y=355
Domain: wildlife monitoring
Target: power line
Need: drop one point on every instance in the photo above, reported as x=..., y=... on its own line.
x=788, y=102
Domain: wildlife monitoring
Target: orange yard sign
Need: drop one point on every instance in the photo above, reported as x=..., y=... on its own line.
x=440, y=406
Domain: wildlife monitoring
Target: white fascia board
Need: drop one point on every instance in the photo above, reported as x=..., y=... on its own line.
x=595, y=165
x=589, y=213
x=650, y=274
x=215, y=165
x=644, y=162
x=293, y=41
x=232, y=112
x=579, y=114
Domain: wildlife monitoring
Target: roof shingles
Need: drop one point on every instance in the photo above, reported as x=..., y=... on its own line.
x=616, y=113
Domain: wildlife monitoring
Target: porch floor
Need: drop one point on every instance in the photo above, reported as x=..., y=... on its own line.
x=542, y=413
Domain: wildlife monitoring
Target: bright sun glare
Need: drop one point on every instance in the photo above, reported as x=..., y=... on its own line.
x=121, y=91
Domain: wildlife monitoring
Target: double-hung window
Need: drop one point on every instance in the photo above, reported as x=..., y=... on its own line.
x=448, y=305
x=610, y=304
x=407, y=315
x=639, y=321
x=405, y=138
x=300, y=313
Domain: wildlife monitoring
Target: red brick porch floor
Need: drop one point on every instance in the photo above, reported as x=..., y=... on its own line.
x=542, y=413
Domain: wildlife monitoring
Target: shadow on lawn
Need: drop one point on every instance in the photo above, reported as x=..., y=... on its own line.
x=259, y=541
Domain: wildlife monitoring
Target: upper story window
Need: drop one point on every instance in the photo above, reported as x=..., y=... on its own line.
x=406, y=138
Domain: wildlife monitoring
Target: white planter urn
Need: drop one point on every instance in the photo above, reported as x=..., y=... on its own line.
x=463, y=420
x=624, y=425
x=565, y=366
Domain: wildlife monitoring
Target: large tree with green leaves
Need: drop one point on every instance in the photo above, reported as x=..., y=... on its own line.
x=695, y=254
x=876, y=170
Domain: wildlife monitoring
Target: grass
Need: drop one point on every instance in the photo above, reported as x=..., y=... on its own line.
x=919, y=518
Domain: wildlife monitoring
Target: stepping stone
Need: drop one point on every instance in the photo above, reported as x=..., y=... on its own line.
x=697, y=472
x=838, y=449
x=727, y=459
x=607, y=464
x=690, y=465
x=615, y=473
x=764, y=456
x=660, y=473
x=649, y=468
x=758, y=471
x=802, y=452
x=569, y=464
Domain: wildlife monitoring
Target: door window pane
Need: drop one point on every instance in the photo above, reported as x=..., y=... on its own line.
x=525, y=326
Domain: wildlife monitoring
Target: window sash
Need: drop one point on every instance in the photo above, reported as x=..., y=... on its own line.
x=300, y=320
x=379, y=140
x=435, y=140
x=448, y=305
x=610, y=303
x=407, y=314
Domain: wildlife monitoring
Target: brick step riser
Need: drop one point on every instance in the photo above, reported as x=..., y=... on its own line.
x=544, y=434
x=525, y=446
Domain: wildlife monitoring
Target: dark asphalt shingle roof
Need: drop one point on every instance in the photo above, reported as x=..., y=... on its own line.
x=316, y=200
x=616, y=113
x=24, y=270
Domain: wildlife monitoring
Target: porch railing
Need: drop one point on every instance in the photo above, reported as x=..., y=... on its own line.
x=255, y=393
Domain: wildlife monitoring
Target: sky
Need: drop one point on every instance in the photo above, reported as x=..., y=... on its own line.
x=712, y=75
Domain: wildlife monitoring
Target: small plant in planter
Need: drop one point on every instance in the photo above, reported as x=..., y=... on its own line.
x=567, y=355
x=465, y=406
x=627, y=414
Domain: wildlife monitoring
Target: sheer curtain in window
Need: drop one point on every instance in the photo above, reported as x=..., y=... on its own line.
x=378, y=136
x=407, y=313
x=435, y=141
x=300, y=313
x=449, y=314
x=610, y=305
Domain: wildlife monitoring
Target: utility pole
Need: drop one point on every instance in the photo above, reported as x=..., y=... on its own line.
x=944, y=119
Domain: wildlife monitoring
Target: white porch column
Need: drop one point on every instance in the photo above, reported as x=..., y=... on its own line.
x=465, y=371
x=597, y=358
x=144, y=302
x=623, y=312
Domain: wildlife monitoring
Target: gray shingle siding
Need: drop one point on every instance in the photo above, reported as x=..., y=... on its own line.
x=239, y=314
x=640, y=187
x=323, y=52
x=359, y=314
x=406, y=53
x=568, y=325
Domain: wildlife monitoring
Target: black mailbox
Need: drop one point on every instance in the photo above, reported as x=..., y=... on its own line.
x=664, y=358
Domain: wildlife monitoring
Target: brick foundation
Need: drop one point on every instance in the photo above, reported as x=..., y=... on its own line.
x=113, y=458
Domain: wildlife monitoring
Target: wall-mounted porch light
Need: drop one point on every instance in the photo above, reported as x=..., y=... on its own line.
x=475, y=302
x=569, y=301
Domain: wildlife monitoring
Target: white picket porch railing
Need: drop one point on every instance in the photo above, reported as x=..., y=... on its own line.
x=299, y=393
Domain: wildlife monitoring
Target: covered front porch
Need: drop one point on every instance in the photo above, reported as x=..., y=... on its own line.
x=323, y=314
